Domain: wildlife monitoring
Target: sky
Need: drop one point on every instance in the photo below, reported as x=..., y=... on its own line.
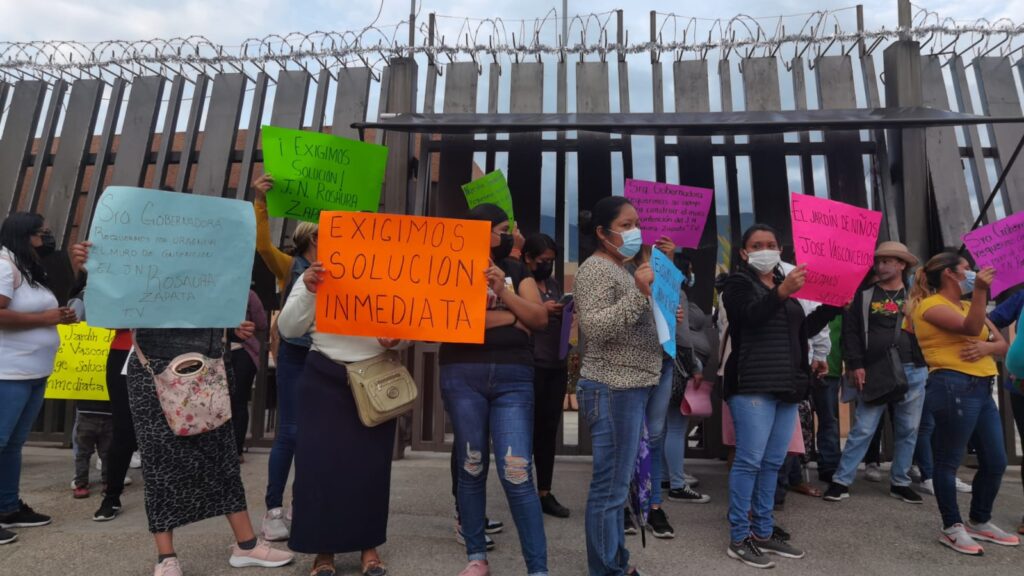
x=231, y=21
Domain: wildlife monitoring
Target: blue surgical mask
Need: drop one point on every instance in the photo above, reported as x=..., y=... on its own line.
x=967, y=284
x=632, y=241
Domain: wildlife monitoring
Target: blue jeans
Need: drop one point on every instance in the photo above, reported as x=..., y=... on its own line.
x=675, y=449
x=615, y=418
x=764, y=427
x=20, y=402
x=906, y=418
x=825, y=397
x=962, y=406
x=923, y=451
x=291, y=360
x=657, y=415
x=494, y=403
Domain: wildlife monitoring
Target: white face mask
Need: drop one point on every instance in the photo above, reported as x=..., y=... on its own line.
x=764, y=261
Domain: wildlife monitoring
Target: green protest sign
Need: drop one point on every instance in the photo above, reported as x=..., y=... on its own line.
x=490, y=189
x=314, y=171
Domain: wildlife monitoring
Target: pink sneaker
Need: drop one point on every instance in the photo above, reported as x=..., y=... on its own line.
x=262, y=555
x=989, y=532
x=957, y=538
x=169, y=567
x=476, y=568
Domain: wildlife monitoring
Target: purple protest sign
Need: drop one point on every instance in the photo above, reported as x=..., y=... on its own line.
x=568, y=313
x=1001, y=246
x=679, y=212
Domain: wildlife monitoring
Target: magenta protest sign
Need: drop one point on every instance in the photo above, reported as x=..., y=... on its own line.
x=1001, y=246
x=837, y=243
x=678, y=212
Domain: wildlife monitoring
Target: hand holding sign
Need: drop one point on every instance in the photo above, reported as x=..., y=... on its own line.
x=835, y=242
x=1000, y=245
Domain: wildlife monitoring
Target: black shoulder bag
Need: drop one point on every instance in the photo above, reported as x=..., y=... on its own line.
x=886, y=380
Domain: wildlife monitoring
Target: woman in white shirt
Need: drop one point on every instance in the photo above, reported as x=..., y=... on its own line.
x=342, y=468
x=29, y=316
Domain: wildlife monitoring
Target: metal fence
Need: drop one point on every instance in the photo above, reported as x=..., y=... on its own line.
x=196, y=130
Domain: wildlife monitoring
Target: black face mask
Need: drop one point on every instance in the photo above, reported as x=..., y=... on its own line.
x=543, y=271
x=49, y=244
x=502, y=250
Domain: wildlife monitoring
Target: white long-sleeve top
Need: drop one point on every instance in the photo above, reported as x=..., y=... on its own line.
x=821, y=343
x=299, y=317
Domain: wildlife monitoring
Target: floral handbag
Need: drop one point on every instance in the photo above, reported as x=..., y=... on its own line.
x=193, y=392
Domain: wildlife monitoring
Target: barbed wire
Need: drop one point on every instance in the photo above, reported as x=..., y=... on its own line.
x=459, y=38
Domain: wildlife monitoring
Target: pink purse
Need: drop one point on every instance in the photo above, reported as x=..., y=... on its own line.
x=193, y=392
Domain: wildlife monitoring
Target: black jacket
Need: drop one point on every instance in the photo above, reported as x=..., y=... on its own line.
x=855, y=351
x=769, y=338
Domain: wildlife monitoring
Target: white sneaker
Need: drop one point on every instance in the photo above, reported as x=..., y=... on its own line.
x=963, y=487
x=873, y=473
x=274, y=528
x=136, y=461
x=957, y=538
x=989, y=532
x=127, y=480
x=928, y=487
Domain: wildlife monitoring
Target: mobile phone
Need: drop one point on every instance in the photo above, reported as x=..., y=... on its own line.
x=565, y=299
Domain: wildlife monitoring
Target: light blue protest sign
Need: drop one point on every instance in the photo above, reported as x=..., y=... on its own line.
x=667, y=280
x=169, y=260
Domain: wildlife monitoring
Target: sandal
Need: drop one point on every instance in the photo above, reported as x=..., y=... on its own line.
x=323, y=569
x=374, y=568
x=806, y=489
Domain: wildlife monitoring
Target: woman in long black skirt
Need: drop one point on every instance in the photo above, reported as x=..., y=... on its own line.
x=335, y=510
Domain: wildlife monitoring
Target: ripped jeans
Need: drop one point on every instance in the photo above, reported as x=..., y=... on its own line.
x=494, y=402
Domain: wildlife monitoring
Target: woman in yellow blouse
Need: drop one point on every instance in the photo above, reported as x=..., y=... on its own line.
x=290, y=356
x=959, y=343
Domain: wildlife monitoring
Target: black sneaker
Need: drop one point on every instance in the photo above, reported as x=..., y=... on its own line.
x=108, y=509
x=687, y=494
x=779, y=547
x=493, y=526
x=906, y=493
x=628, y=526
x=488, y=541
x=748, y=553
x=552, y=507
x=658, y=523
x=6, y=536
x=836, y=493
x=24, y=517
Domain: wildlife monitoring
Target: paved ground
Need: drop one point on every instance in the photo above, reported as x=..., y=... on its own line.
x=866, y=535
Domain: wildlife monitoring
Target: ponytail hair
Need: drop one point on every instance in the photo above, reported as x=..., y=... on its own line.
x=928, y=278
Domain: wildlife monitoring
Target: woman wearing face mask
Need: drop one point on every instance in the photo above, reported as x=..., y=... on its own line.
x=959, y=343
x=29, y=316
x=488, y=393
x=621, y=367
x=550, y=372
x=766, y=375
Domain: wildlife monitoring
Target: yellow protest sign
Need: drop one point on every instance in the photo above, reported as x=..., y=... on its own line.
x=80, y=369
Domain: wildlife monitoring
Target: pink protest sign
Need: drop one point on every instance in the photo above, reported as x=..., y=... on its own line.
x=1001, y=246
x=837, y=243
x=678, y=212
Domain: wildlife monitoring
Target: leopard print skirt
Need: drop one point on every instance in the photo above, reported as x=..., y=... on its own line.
x=187, y=478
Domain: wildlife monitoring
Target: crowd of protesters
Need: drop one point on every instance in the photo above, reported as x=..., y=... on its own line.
x=917, y=346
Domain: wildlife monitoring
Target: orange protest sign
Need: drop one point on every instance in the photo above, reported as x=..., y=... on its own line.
x=408, y=277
